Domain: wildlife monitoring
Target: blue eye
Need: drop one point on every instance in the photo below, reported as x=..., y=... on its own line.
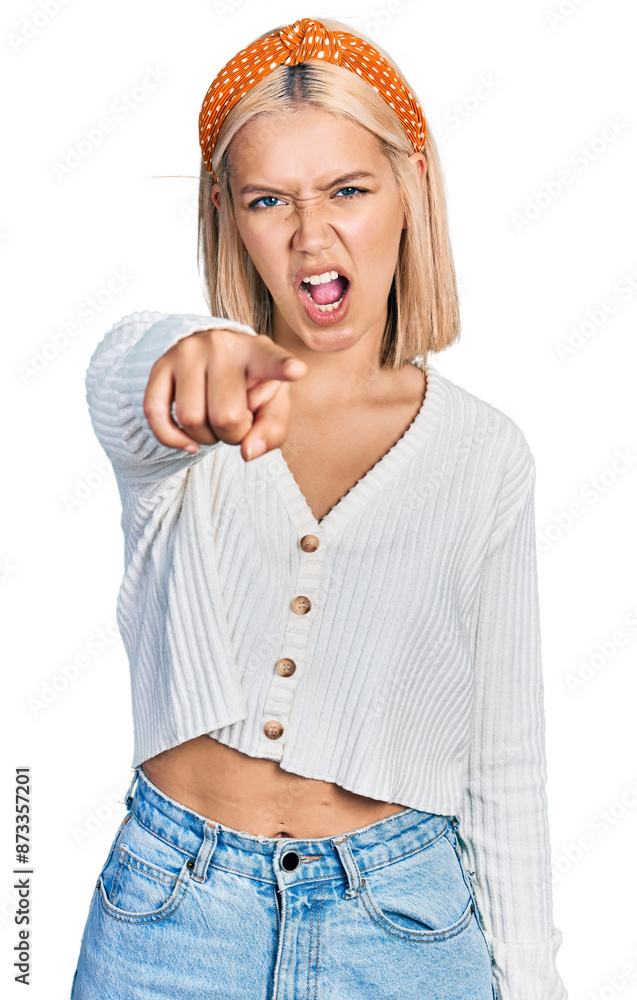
x=360, y=191
x=269, y=200
x=266, y=197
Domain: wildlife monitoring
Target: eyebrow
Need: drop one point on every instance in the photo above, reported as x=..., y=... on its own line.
x=354, y=176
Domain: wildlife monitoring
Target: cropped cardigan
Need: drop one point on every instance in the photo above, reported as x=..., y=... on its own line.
x=393, y=647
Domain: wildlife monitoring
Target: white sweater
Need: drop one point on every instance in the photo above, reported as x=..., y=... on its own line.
x=418, y=675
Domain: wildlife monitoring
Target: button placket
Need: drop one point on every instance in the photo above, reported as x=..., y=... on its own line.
x=287, y=669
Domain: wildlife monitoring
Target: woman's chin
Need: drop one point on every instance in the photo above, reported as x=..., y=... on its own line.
x=326, y=339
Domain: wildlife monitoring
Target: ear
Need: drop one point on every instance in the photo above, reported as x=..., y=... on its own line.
x=420, y=163
x=215, y=195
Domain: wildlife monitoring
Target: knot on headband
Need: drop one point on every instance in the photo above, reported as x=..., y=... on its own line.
x=296, y=43
x=306, y=38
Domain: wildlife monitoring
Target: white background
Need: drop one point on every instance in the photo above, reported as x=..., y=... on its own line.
x=519, y=96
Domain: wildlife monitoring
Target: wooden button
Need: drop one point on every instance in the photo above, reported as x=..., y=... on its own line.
x=273, y=729
x=309, y=543
x=301, y=605
x=285, y=666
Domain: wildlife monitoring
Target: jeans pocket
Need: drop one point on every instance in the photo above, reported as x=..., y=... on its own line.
x=145, y=878
x=422, y=896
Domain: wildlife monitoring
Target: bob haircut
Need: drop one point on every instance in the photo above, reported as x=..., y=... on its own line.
x=422, y=307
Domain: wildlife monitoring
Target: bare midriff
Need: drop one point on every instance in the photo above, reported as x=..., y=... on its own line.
x=254, y=795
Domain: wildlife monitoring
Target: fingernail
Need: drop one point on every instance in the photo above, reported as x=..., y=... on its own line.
x=193, y=448
x=255, y=448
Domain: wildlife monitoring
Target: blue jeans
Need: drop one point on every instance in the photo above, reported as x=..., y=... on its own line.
x=185, y=907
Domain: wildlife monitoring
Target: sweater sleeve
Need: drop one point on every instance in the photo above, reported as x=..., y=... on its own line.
x=503, y=830
x=116, y=381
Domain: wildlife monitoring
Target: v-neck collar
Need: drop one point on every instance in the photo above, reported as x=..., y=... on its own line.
x=380, y=474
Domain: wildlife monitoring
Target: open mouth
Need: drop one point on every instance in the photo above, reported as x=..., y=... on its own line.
x=326, y=291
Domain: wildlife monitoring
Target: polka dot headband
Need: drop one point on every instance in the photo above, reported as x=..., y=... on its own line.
x=305, y=39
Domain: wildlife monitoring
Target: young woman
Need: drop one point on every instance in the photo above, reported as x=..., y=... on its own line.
x=330, y=598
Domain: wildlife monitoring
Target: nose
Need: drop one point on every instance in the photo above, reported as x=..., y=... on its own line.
x=312, y=233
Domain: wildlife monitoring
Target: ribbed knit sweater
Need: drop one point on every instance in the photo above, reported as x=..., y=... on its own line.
x=418, y=675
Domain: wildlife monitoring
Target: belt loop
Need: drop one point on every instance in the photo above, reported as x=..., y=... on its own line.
x=128, y=798
x=354, y=880
x=205, y=851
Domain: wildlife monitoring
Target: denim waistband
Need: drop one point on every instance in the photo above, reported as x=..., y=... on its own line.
x=261, y=857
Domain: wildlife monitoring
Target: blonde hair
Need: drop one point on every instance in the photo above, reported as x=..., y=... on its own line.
x=422, y=307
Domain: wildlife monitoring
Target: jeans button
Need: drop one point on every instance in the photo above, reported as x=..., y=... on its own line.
x=290, y=861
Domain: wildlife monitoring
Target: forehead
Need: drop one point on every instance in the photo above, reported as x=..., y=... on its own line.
x=310, y=144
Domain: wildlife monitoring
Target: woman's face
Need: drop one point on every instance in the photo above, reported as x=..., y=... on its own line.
x=301, y=212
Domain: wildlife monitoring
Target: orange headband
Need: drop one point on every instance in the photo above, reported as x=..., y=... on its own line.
x=305, y=39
